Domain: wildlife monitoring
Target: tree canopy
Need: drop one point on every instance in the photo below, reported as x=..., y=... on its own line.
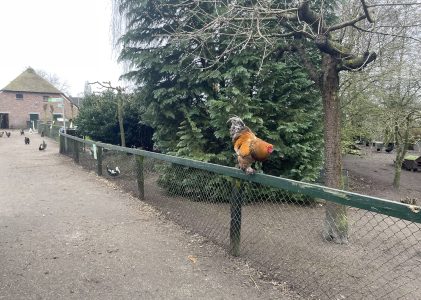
x=187, y=98
x=98, y=120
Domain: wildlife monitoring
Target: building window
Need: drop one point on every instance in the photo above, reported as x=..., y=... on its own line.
x=19, y=96
x=45, y=98
x=57, y=116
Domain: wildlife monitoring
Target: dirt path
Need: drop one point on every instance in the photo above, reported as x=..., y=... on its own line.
x=67, y=234
x=372, y=174
x=284, y=240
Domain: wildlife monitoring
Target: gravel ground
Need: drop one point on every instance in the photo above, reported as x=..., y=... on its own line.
x=68, y=234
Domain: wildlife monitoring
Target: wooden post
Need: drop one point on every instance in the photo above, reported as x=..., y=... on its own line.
x=235, y=226
x=76, y=151
x=66, y=145
x=61, y=148
x=140, y=177
x=99, y=160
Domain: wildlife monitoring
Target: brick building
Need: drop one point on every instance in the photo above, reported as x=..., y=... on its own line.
x=25, y=99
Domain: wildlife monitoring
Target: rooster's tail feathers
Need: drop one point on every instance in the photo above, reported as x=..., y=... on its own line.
x=236, y=125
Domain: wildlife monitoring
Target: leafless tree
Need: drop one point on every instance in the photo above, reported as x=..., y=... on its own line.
x=391, y=85
x=55, y=80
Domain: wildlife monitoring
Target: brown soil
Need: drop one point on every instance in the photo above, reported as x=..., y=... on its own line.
x=372, y=174
x=68, y=234
x=284, y=241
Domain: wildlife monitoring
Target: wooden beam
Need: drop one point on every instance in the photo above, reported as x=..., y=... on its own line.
x=374, y=204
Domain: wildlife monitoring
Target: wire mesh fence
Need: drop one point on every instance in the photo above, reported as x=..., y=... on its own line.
x=49, y=130
x=278, y=230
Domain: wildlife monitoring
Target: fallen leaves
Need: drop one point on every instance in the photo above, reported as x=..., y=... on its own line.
x=192, y=258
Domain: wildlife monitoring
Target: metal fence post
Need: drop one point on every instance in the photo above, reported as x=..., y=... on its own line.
x=235, y=226
x=99, y=160
x=76, y=151
x=140, y=177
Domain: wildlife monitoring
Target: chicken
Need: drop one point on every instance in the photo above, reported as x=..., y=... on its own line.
x=22, y=132
x=27, y=141
x=1, y=134
x=42, y=146
x=248, y=147
x=113, y=172
x=8, y=134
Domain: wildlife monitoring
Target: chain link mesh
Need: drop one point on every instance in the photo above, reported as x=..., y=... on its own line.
x=280, y=232
x=48, y=130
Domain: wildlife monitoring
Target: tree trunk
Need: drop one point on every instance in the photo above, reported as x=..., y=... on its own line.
x=401, y=149
x=398, y=170
x=120, y=118
x=336, y=222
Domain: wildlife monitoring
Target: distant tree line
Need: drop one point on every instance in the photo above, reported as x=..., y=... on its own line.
x=98, y=120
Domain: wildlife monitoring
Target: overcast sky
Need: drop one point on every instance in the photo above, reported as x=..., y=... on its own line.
x=69, y=38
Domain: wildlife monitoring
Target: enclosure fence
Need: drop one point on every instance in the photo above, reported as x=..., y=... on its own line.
x=49, y=130
x=276, y=224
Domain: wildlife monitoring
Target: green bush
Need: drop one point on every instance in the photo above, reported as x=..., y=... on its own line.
x=98, y=119
x=200, y=185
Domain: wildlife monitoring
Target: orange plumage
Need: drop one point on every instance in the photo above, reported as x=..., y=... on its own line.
x=248, y=147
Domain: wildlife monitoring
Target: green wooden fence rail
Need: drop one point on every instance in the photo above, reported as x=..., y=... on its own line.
x=374, y=204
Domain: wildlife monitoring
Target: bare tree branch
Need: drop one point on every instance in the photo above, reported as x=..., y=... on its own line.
x=394, y=4
x=367, y=12
x=314, y=74
x=387, y=34
x=358, y=62
x=346, y=24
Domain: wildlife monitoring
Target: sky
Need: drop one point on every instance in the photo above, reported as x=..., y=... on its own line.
x=69, y=38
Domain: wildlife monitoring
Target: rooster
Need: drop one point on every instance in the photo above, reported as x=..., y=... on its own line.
x=113, y=172
x=248, y=147
x=27, y=141
x=22, y=132
x=42, y=146
x=8, y=134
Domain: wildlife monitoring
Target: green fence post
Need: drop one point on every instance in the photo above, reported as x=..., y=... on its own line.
x=235, y=226
x=61, y=144
x=99, y=160
x=76, y=151
x=140, y=177
x=66, y=144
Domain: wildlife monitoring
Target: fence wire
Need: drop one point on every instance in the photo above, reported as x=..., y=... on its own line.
x=280, y=232
x=49, y=130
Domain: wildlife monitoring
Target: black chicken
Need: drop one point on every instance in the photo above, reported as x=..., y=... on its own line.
x=113, y=172
x=27, y=141
x=8, y=134
x=22, y=132
x=42, y=146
